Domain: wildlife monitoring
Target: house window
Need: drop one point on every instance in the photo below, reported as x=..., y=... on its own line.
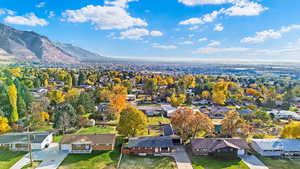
x=164, y=148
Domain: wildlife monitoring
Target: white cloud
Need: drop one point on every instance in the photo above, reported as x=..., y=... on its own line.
x=138, y=33
x=202, y=39
x=40, y=5
x=4, y=11
x=214, y=43
x=245, y=8
x=134, y=34
x=203, y=2
x=194, y=27
x=269, y=34
x=210, y=17
x=166, y=47
x=239, y=8
x=118, y=3
x=212, y=50
x=29, y=19
x=186, y=43
x=156, y=33
x=218, y=28
x=51, y=14
x=104, y=17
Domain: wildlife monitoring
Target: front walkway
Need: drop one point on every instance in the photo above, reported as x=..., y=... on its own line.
x=51, y=158
x=253, y=162
x=182, y=159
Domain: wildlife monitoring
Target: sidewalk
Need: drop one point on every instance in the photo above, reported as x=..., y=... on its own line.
x=253, y=162
x=182, y=159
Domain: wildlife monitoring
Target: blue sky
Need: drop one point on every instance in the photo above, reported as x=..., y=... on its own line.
x=166, y=29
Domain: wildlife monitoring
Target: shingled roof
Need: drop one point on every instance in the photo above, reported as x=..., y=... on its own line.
x=22, y=138
x=141, y=142
x=88, y=139
x=212, y=144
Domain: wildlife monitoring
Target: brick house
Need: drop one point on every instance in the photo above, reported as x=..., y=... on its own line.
x=86, y=143
x=154, y=145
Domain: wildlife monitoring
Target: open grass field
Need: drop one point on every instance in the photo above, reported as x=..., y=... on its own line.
x=136, y=162
x=276, y=163
x=207, y=162
x=96, y=160
x=9, y=158
x=97, y=130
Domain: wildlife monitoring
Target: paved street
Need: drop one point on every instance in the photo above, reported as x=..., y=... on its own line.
x=182, y=159
x=253, y=162
x=51, y=158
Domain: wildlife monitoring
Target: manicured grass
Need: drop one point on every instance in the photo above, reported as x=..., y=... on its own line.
x=276, y=163
x=207, y=162
x=149, y=162
x=56, y=139
x=97, y=130
x=9, y=158
x=45, y=128
x=158, y=120
x=96, y=160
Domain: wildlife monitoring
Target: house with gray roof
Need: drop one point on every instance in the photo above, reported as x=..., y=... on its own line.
x=150, y=145
x=215, y=146
x=283, y=114
x=19, y=141
x=276, y=147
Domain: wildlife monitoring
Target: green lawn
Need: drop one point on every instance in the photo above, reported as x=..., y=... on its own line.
x=149, y=162
x=207, y=162
x=158, y=120
x=45, y=128
x=276, y=163
x=9, y=158
x=96, y=160
x=33, y=166
x=97, y=130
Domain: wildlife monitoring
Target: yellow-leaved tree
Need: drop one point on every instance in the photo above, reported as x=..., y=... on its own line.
x=291, y=130
x=4, y=127
x=12, y=95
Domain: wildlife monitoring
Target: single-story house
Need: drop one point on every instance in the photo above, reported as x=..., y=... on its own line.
x=213, y=146
x=168, y=110
x=150, y=110
x=169, y=131
x=130, y=97
x=19, y=141
x=283, y=114
x=151, y=145
x=86, y=143
x=276, y=147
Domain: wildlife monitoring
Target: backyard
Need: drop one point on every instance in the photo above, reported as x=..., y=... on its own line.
x=136, y=162
x=9, y=158
x=207, y=162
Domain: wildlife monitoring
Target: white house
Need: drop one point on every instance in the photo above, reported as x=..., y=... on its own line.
x=276, y=147
x=169, y=110
x=283, y=114
x=19, y=141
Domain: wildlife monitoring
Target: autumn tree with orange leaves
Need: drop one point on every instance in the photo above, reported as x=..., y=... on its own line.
x=188, y=123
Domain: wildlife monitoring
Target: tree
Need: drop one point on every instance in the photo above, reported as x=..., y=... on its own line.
x=291, y=130
x=65, y=117
x=69, y=81
x=205, y=94
x=37, y=117
x=188, y=123
x=117, y=100
x=56, y=97
x=177, y=101
x=81, y=78
x=22, y=108
x=4, y=127
x=12, y=95
x=232, y=124
x=85, y=100
x=150, y=86
x=133, y=122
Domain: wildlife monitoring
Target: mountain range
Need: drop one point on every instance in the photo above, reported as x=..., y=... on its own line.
x=18, y=45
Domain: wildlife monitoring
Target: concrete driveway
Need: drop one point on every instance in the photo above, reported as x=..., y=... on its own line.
x=51, y=158
x=253, y=162
x=182, y=159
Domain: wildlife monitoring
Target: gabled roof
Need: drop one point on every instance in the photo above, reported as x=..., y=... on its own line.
x=155, y=141
x=88, y=139
x=22, y=138
x=212, y=144
x=168, y=130
x=278, y=144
